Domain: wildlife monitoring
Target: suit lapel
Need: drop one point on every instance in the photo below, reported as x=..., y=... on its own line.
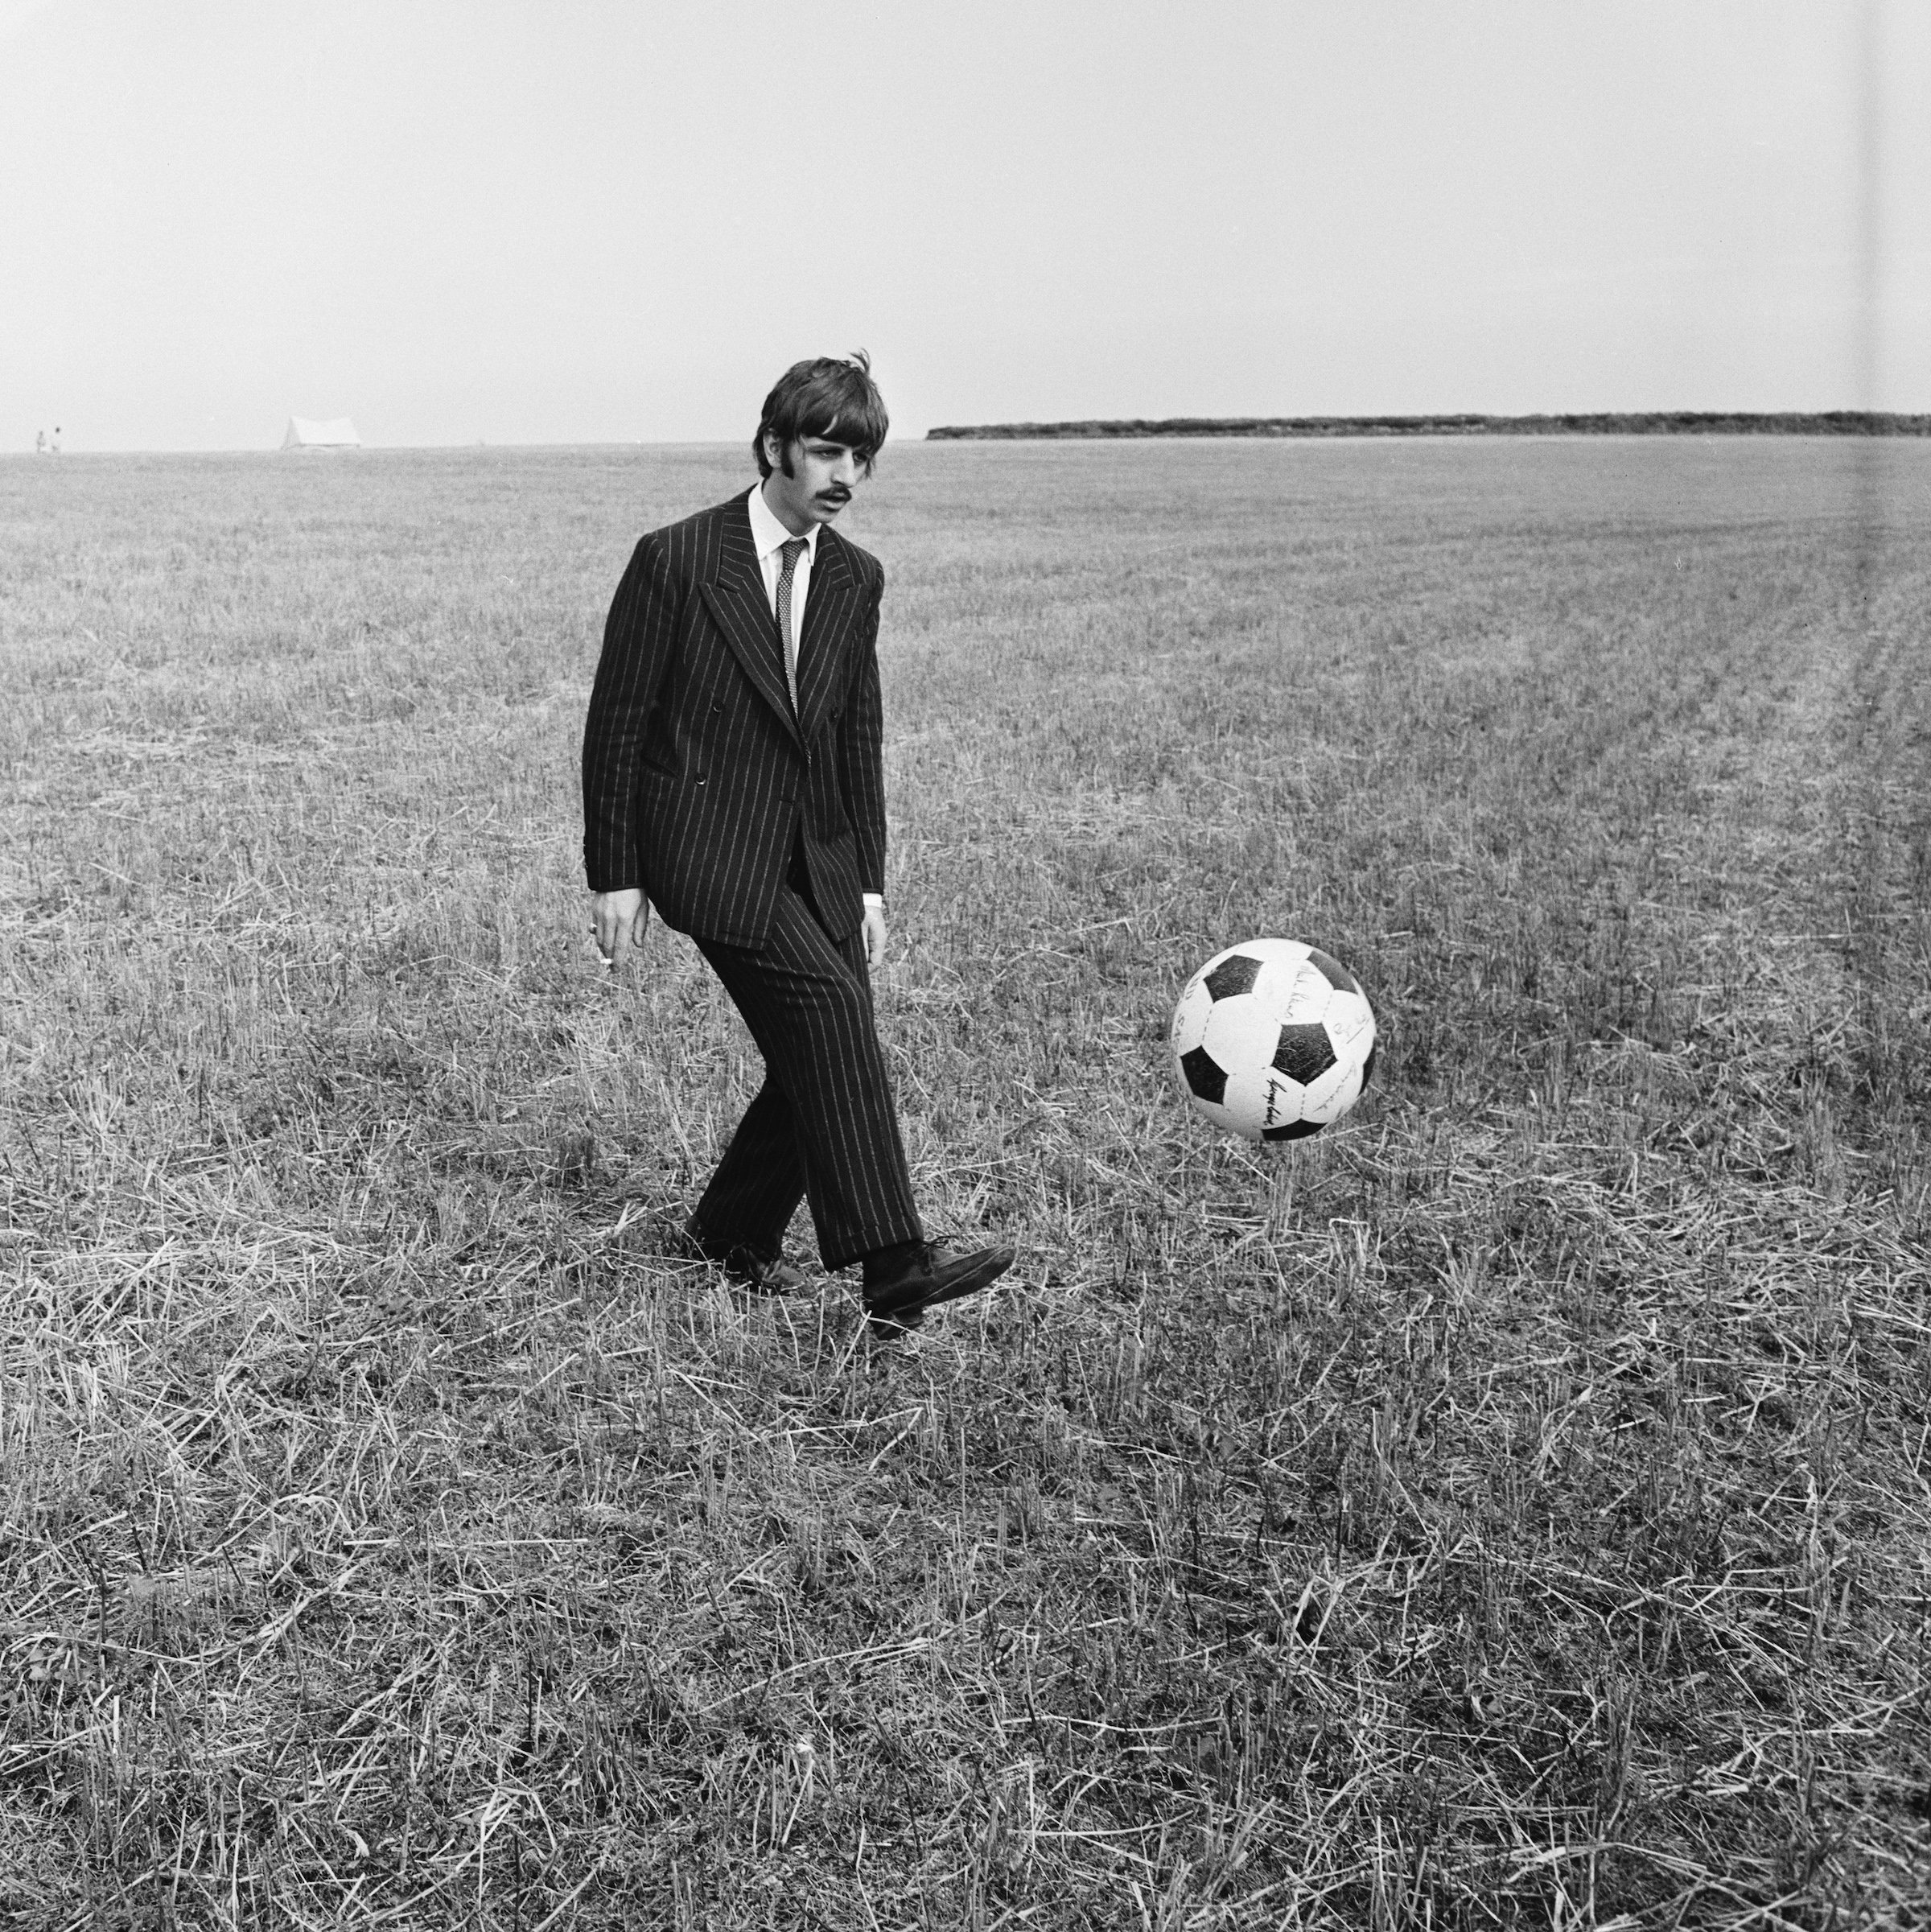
x=829, y=607
x=735, y=597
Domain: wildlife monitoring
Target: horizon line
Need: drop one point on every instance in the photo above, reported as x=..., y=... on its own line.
x=1364, y=425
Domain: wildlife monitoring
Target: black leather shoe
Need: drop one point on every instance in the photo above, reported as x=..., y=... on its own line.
x=761, y=1274
x=939, y=1275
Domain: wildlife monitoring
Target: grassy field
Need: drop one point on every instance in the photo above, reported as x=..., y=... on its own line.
x=1513, y=1509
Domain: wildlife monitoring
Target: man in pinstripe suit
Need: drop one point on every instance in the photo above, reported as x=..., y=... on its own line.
x=732, y=773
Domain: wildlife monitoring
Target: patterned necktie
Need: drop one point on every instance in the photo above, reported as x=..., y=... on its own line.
x=792, y=552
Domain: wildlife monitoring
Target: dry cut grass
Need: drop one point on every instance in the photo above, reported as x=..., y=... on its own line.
x=1509, y=1511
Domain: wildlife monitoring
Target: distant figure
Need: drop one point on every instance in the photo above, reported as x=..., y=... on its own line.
x=56, y=439
x=40, y=442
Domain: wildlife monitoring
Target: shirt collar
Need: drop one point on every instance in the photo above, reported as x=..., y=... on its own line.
x=767, y=534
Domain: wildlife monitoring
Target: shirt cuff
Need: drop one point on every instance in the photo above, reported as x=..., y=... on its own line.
x=871, y=899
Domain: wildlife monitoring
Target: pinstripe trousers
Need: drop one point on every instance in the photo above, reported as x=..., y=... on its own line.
x=823, y=1127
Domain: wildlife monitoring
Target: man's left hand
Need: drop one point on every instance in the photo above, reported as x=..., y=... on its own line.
x=875, y=939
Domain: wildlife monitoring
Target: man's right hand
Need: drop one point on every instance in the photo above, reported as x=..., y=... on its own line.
x=619, y=920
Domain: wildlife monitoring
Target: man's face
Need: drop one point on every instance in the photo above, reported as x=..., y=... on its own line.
x=824, y=473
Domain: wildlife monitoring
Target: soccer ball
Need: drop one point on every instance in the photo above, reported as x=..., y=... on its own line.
x=1272, y=1039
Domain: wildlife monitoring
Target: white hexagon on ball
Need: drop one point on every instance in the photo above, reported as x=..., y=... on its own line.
x=1272, y=1039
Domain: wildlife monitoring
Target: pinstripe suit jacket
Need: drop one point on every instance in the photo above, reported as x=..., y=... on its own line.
x=697, y=774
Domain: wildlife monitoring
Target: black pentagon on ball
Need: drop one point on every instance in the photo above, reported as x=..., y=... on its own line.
x=1332, y=969
x=1305, y=1053
x=1294, y=1129
x=1205, y=1076
x=1368, y=1065
x=1232, y=976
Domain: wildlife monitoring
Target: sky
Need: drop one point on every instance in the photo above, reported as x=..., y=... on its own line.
x=600, y=221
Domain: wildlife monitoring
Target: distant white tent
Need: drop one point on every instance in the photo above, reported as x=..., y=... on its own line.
x=305, y=433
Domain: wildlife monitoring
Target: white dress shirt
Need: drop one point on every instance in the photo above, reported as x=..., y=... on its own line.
x=769, y=536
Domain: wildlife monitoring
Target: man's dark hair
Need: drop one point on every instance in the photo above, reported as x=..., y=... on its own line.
x=831, y=396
